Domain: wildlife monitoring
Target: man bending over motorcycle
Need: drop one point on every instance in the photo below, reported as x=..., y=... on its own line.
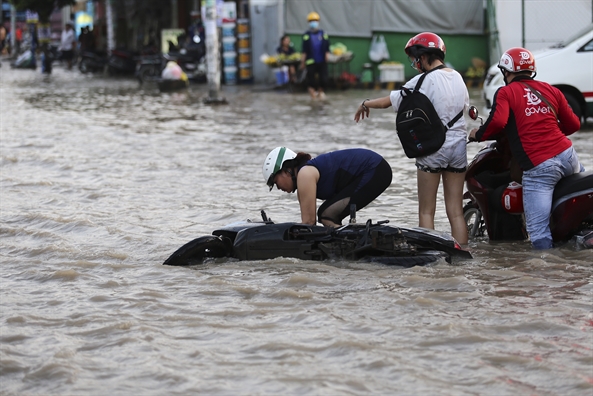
x=536, y=119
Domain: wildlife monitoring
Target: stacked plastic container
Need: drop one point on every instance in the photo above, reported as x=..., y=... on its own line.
x=229, y=55
x=244, y=50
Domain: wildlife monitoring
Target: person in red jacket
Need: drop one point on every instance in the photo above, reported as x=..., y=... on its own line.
x=536, y=119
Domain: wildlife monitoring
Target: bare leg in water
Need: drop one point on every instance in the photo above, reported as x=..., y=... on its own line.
x=428, y=184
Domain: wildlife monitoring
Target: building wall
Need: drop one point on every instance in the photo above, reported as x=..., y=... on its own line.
x=461, y=50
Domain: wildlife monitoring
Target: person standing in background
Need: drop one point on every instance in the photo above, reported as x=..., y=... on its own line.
x=18, y=35
x=314, y=57
x=26, y=39
x=67, y=44
x=86, y=40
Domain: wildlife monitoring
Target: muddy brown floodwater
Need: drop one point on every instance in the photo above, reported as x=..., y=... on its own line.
x=102, y=180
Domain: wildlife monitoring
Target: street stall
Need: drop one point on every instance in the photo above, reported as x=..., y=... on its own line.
x=281, y=64
x=338, y=62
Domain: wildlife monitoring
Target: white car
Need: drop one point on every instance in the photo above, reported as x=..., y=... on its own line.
x=567, y=66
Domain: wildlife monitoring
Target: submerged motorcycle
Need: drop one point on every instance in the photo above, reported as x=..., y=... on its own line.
x=371, y=242
x=495, y=205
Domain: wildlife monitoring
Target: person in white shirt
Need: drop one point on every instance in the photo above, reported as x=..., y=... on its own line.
x=67, y=44
x=448, y=94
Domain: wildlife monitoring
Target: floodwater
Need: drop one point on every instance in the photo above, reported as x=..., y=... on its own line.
x=102, y=180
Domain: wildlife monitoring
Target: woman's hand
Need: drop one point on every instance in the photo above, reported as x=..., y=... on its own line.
x=362, y=111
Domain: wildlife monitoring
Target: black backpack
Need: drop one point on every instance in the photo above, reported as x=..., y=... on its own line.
x=419, y=127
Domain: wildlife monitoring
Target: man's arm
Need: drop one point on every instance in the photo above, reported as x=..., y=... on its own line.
x=498, y=118
x=569, y=122
x=307, y=179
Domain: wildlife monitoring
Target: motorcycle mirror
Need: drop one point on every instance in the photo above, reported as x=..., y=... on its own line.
x=473, y=112
x=196, y=39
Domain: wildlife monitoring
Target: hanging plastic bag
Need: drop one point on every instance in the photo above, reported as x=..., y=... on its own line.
x=378, y=50
x=172, y=72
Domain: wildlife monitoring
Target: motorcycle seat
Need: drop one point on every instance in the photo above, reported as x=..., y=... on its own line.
x=94, y=54
x=187, y=58
x=579, y=182
x=182, y=57
x=492, y=180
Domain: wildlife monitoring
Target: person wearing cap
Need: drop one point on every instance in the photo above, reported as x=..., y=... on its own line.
x=315, y=51
x=448, y=93
x=340, y=178
x=536, y=119
x=68, y=44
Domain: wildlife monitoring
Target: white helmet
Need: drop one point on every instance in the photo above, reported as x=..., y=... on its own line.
x=273, y=163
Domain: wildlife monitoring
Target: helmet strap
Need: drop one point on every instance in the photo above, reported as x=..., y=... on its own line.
x=418, y=64
x=504, y=76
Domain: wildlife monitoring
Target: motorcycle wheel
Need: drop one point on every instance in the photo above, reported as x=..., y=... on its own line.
x=83, y=66
x=474, y=221
x=147, y=74
x=111, y=70
x=200, y=249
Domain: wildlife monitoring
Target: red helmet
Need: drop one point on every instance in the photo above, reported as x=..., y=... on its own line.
x=517, y=59
x=423, y=43
x=512, y=198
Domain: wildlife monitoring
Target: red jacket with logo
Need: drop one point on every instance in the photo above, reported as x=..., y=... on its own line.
x=533, y=132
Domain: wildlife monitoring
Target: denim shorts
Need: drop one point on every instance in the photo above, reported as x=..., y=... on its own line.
x=451, y=157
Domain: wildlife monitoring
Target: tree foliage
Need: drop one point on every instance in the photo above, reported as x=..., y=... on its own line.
x=43, y=8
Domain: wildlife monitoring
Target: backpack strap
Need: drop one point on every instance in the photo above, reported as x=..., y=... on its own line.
x=536, y=93
x=454, y=120
x=406, y=91
x=421, y=79
x=417, y=87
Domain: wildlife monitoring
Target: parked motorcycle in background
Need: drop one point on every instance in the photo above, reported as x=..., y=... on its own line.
x=92, y=61
x=121, y=61
x=26, y=60
x=495, y=204
x=150, y=67
x=189, y=55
